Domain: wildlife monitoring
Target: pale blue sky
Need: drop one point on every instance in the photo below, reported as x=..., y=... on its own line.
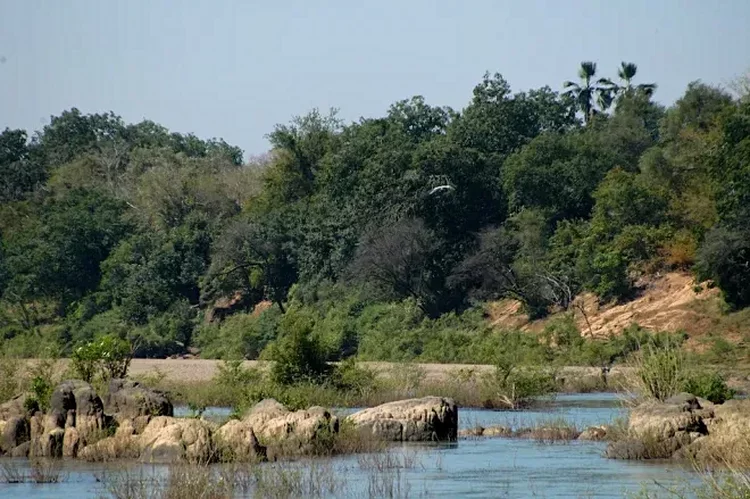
x=233, y=69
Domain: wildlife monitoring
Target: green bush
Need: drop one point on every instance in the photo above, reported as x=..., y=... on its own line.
x=708, y=385
x=350, y=377
x=41, y=389
x=660, y=370
x=513, y=386
x=298, y=356
x=109, y=357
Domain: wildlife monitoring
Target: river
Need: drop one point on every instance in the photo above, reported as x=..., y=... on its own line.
x=493, y=467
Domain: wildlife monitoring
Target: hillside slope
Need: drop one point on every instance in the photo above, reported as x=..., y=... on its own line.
x=670, y=302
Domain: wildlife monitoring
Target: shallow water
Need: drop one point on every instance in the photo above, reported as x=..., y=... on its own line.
x=470, y=468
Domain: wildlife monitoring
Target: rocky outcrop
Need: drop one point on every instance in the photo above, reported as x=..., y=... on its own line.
x=677, y=428
x=593, y=434
x=22, y=405
x=236, y=440
x=424, y=419
x=300, y=431
x=14, y=432
x=130, y=399
x=172, y=440
x=488, y=432
x=75, y=404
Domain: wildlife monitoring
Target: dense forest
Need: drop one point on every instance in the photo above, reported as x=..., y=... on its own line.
x=380, y=238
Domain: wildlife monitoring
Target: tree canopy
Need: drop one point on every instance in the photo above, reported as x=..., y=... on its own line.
x=129, y=229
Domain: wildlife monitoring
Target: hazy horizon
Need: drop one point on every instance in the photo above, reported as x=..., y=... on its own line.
x=233, y=70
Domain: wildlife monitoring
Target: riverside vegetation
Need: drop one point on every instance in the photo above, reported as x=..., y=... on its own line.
x=379, y=239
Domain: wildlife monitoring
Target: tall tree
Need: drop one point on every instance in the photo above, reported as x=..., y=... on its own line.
x=589, y=92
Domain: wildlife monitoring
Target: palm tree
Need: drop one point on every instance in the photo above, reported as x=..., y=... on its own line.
x=588, y=91
x=626, y=72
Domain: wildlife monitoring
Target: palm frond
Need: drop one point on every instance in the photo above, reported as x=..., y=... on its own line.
x=627, y=71
x=587, y=70
x=647, y=88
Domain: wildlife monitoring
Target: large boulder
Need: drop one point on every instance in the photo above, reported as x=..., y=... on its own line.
x=130, y=399
x=424, y=419
x=665, y=420
x=236, y=441
x=658, y=430
x=15, y=431
x=300, y=431
x=75, y=404
x=172, y=440
x=22, y=405
x=49, y=444
x=118, y=446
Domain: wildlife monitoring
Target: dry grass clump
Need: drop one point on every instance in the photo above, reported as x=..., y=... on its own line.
x=270, y=480
x=40, y=471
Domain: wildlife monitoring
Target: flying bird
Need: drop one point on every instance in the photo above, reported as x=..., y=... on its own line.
x=442, y=188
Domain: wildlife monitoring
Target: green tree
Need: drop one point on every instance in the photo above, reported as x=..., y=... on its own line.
x=59, y=257
x=626, y=73
x=589, y=93
x=19, y=174
x=250, y=257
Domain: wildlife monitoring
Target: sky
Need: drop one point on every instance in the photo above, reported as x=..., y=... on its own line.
x=234, y=69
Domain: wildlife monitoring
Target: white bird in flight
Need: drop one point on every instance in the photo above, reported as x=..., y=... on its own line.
x=441, y=188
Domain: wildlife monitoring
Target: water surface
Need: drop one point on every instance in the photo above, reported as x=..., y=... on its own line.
x=470, y=468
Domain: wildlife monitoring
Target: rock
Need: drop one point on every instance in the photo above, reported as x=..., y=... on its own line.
x=18, y=407
x=649, y=449
x=71, y=441
x=626, y=449
x=130, y=399
x=728, y=432
x=236, y=440
x=294, y=432
x=660, y=430
x=22, y=450
x=548, y=433
x=15, y=432
x=110, y=448
x=125, y=428
x=489, y=432
x=172, y=440
x=497, y=431
x=264, y=411
x=75, y=404
x=687, y=401
x=48, y=445
x=663, y=421
x=424, y=419
x=477, y=431
x=593, y=433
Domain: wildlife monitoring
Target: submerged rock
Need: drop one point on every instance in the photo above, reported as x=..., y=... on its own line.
x=424, y=419
x=593, y=433
x=488, y=432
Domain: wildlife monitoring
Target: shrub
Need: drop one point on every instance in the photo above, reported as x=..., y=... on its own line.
x=708, y=385
x=298, y=357
x=109, y=357
x=660, y=370
x=348, y=376
x=41, y=388
x=513, y=387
